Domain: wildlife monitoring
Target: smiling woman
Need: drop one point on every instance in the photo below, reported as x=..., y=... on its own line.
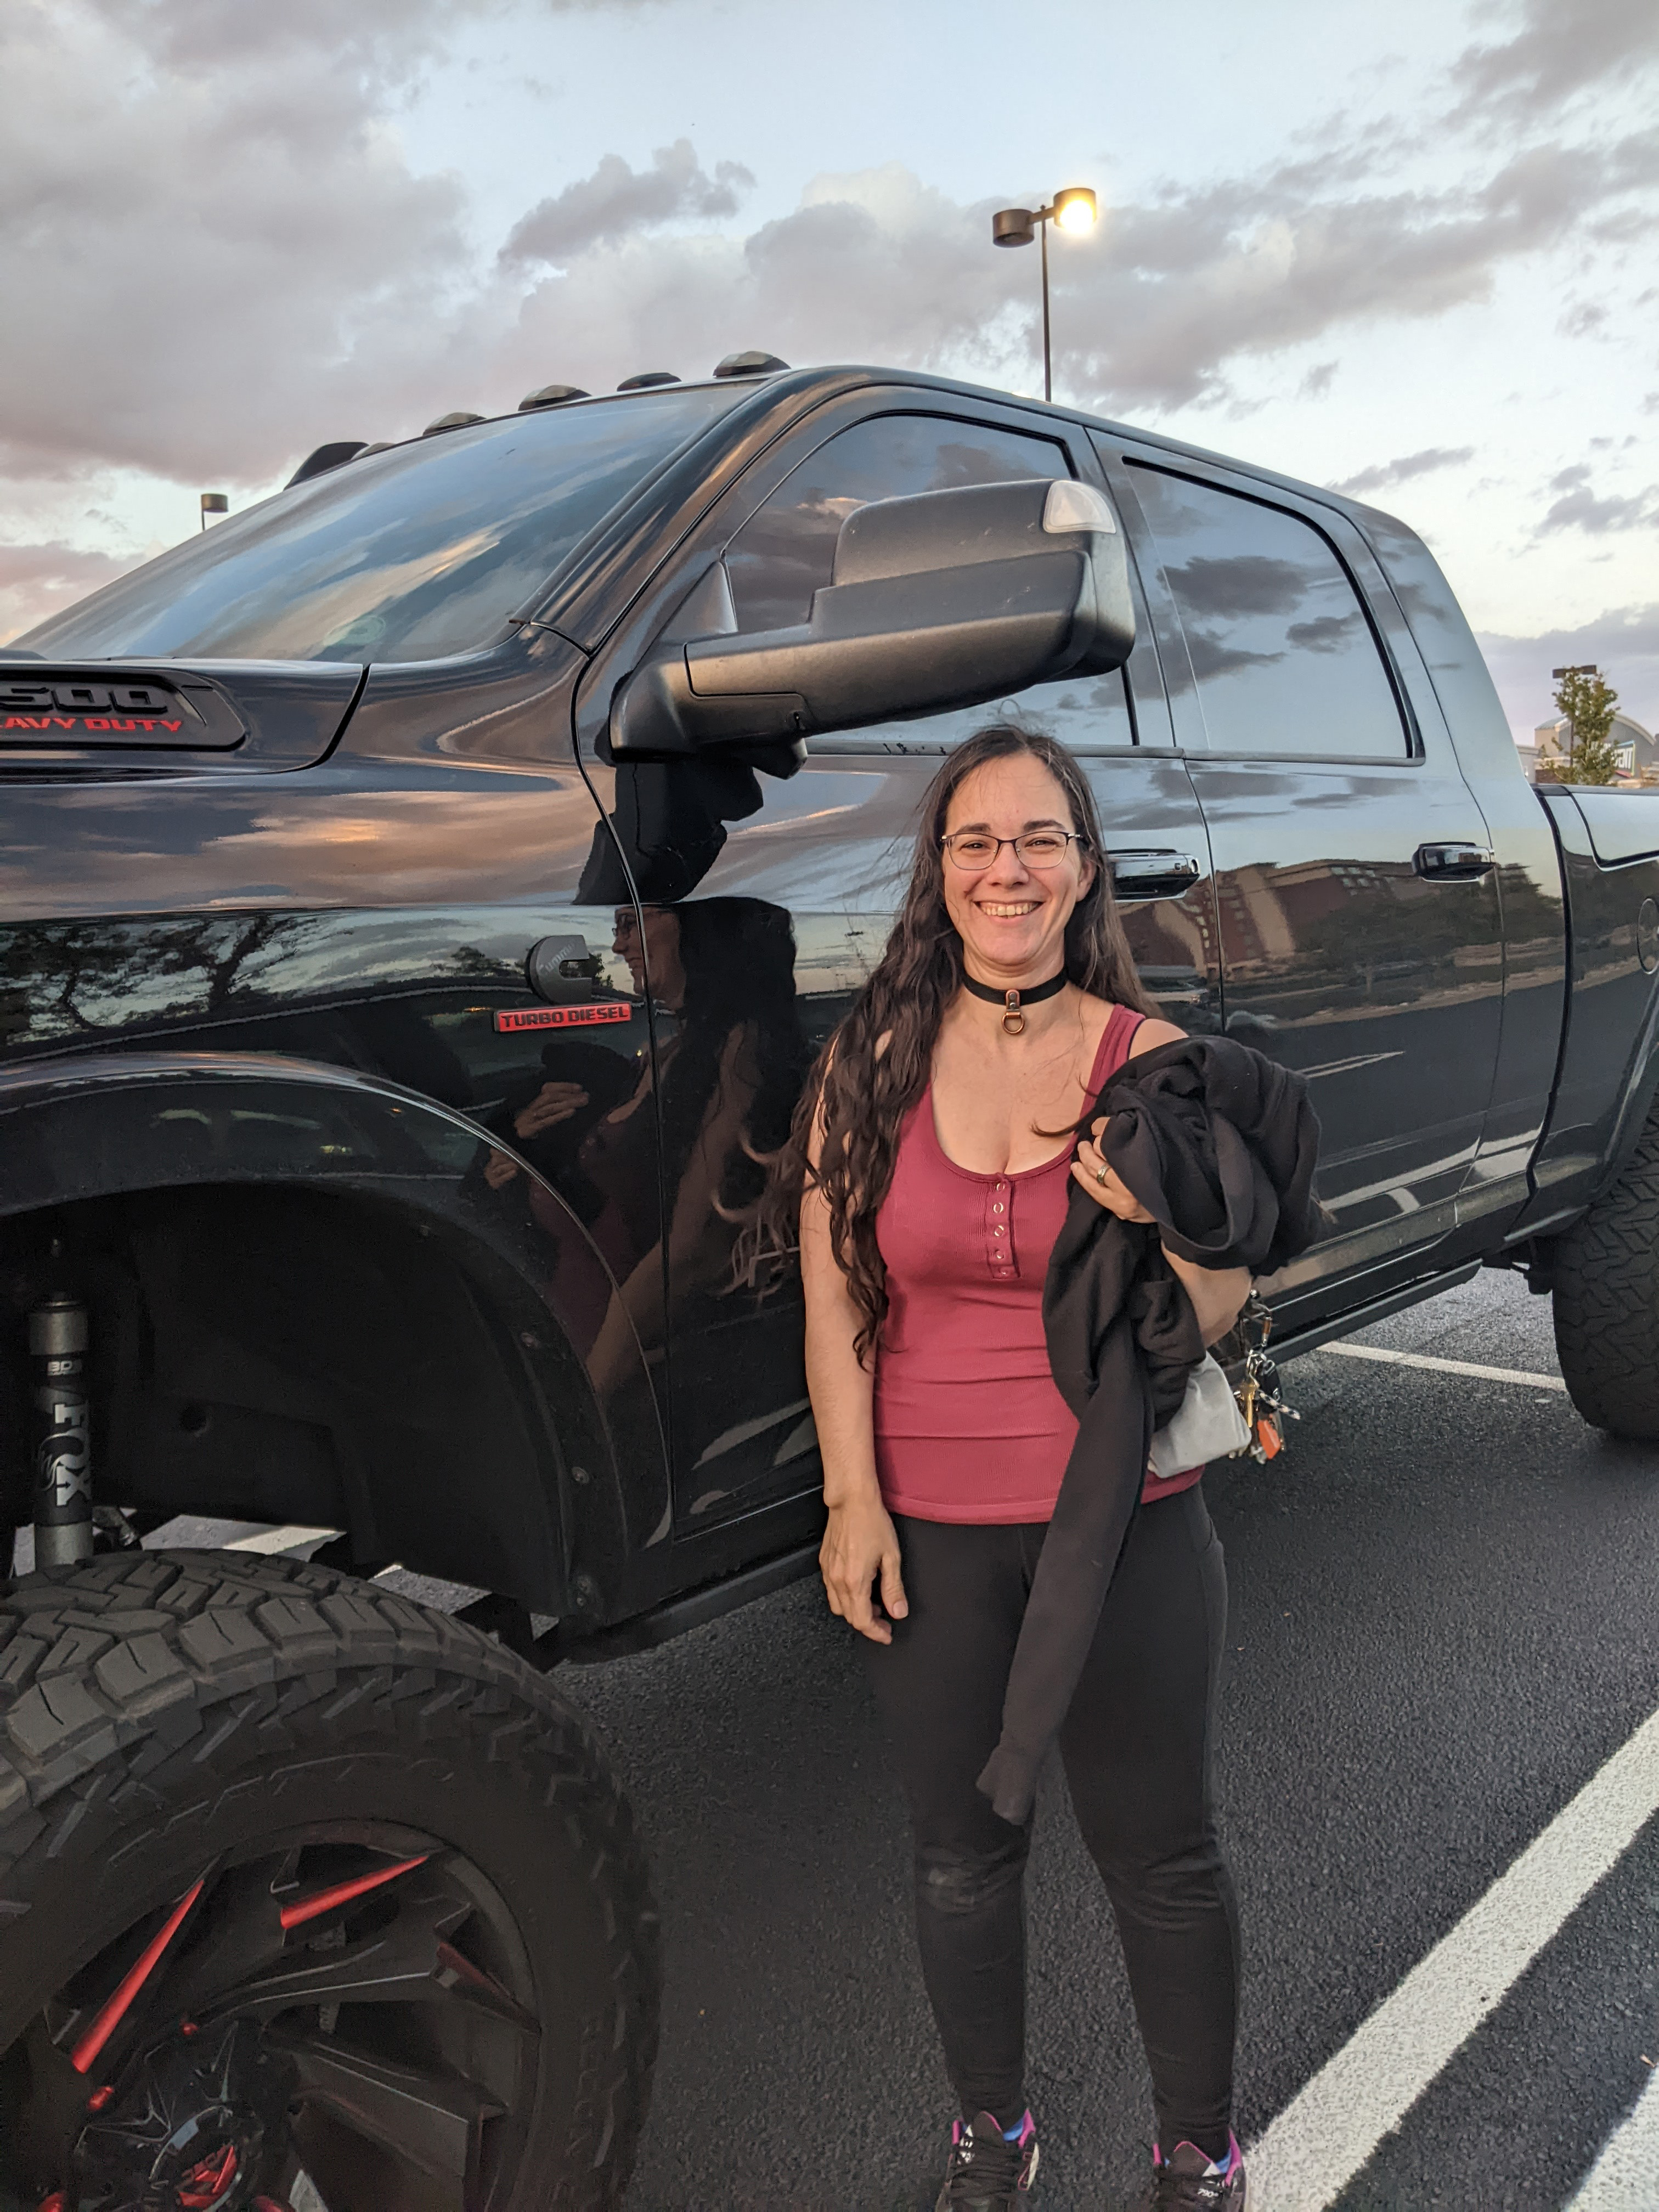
x=936, y=1167
x=421, y=550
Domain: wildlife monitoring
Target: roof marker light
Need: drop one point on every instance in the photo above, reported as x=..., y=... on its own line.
x=458, y=420
x=749, y=364
x=647, y=377
x=550, y=395
x=321, y=458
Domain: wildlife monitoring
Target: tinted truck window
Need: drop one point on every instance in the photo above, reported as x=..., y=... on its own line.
x=421, y=551
x=784, y=553
x=786, y=549
x=1283, y=655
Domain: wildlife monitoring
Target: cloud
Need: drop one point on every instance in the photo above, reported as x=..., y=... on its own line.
x=230, y=259
x=35, y=579
x=1260, y=264
x=617, y=201
x=1624, y=643
x=222, y=261
x=1561, y=48
x=1386, y=474
x=1577, y=506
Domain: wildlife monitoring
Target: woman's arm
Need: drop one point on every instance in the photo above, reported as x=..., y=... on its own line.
x=1218, y=1294
x=859, y=1542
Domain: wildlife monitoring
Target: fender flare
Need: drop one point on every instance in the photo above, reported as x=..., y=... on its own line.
x=88, y=1126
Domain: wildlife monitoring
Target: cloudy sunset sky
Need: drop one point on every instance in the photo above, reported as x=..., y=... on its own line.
x=1409, y=251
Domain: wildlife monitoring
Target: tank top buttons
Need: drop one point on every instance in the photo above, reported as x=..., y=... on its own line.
x=998, y=1244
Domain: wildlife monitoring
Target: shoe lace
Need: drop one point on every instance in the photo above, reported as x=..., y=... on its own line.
x=979, y=2163
x=1186, y=2192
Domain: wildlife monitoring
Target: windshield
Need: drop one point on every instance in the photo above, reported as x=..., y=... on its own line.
x=421, y=550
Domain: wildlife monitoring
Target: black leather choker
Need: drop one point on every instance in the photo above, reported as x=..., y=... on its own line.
x=1014, y=1003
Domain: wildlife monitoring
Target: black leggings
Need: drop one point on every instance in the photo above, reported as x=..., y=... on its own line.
x=1136, y=1747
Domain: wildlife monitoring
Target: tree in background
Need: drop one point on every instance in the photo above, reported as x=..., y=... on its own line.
x=1586, y=699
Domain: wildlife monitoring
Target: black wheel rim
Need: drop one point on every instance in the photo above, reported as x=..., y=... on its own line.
x=346, y=2018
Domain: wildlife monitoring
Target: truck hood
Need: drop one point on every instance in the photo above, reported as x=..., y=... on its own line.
x=129, y=715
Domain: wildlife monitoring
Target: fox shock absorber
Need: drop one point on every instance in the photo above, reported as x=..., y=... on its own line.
x=63, y=1451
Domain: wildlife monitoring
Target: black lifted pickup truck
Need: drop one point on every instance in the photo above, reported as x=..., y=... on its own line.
x=423, y=897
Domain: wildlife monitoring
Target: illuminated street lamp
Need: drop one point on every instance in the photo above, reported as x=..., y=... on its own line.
x=1073, y=210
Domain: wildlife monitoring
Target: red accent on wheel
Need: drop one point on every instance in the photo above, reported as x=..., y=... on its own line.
x=271, y=2204
x=100, y=2098
x=324, y=1900
x=56, y=2202
x=205, y=2184
x=109, y=2019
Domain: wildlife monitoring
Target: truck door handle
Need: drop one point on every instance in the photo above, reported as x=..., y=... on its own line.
x=1152, y=875
x=1453, y=864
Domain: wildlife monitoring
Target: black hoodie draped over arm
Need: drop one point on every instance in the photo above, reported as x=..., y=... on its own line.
x=1219, y=1144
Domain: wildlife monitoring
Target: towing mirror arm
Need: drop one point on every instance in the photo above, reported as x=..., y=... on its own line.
x=946, y=599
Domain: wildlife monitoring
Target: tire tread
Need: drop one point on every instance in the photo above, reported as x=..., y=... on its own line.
x=1606, y=1301
x=140, y=1659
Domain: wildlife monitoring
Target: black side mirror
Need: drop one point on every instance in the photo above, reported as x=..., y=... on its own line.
x=946, y=599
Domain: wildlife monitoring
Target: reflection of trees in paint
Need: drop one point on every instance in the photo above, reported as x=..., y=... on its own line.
x=84, y=981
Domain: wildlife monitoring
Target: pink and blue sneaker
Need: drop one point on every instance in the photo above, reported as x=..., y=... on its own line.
x=989, y=2168
x=1188, y=2181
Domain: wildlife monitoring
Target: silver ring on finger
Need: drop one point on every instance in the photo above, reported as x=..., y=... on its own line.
x=1100, y=1177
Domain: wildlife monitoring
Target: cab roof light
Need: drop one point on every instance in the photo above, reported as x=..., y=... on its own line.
x=550, y=395
x=323, y=458
x=458, y=420
x=749, y=364
x=647, y=377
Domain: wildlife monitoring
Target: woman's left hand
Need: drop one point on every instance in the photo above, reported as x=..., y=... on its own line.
x=1102, y=1183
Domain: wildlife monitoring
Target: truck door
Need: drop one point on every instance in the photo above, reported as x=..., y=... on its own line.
x=1359, y=933
x=782, y=902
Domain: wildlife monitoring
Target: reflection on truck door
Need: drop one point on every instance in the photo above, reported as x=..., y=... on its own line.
x=1340, y=957
x=828, y=850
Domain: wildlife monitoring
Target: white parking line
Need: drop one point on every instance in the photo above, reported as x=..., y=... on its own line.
x=1622, y=2178
x=1445, y=1366
x=276, y=1540
x=1316, y=2146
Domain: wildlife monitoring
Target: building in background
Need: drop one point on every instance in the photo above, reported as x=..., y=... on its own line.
x=1638, y=749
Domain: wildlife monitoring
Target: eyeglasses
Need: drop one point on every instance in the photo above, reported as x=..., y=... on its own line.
x=974, y=850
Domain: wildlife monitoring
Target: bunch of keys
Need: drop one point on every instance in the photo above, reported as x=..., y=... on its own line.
x=1265, y=1411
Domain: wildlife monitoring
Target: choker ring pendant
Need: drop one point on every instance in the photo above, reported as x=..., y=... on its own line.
x=1013, y=1002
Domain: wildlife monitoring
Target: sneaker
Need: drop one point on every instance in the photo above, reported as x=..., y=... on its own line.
x=1186, y=2181
x=986, y=2172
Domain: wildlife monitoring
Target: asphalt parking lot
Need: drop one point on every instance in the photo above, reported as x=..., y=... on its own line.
x=1443, y=1629
x=1442, y=1624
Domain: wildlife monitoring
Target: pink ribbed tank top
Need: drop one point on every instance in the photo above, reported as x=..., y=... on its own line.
x=969, y=1426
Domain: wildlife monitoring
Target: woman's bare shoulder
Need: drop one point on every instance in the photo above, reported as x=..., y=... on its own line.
x=1152, y=1033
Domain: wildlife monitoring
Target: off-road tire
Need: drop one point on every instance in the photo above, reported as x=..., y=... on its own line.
x=156, y=1707
x=1607, y=1301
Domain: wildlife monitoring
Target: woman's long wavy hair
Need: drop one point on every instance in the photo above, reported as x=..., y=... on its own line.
x=859, y=1095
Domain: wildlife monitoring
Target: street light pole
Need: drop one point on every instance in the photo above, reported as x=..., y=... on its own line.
x=1048, y=345
x=1072, y=209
